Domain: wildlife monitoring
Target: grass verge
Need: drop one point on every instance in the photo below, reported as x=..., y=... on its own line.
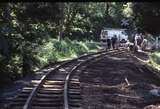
x=155, y=60
x=55, y=50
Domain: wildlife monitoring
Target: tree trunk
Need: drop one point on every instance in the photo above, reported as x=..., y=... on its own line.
x=107, y=8
x=61, y=20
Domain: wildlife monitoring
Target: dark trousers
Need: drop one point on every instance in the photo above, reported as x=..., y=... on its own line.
x=109, y=43
x=113, y=44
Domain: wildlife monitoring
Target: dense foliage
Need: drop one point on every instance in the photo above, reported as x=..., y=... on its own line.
x=27, y=28
x=156, y=57
x=147, y=16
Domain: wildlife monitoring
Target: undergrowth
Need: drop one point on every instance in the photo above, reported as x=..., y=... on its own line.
x=50, y=52
x=155, y=60
x=55, y=50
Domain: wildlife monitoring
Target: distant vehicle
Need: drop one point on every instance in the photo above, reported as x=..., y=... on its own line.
x=106, y=33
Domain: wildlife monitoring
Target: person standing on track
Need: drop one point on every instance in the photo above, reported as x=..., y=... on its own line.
x=144, y=42
x=108, y=42
x=114, y=41
x=138, y=41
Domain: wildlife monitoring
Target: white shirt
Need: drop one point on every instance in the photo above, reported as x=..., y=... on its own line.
x=137, y=37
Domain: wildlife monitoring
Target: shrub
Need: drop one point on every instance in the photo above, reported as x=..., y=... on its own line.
x=156, y=57
x=49, y=52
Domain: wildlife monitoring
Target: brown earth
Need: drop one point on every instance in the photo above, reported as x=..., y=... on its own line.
x=118, y=82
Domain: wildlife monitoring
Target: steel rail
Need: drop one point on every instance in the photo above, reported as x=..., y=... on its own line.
x=66, y=86
x=34, y=91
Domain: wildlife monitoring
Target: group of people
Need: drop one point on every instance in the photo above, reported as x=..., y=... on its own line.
x=139, y=42
x=112, y=42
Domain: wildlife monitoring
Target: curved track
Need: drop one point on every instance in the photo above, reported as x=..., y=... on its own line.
x=58, y=88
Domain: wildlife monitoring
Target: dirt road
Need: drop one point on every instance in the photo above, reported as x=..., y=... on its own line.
x=119, y=82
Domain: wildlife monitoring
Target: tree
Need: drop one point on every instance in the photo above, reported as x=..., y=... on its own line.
x=24, y=27
x=147, y=16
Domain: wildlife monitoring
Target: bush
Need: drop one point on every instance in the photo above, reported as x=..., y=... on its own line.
x=49, y=52
x=56, y=50
x=156, y=57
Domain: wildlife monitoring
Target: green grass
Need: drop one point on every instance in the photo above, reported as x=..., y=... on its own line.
x=55, y=50
x=50, y=52
x=156, y=57
x=155, y=60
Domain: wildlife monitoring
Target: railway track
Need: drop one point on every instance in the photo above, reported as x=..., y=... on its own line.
x=58, y=88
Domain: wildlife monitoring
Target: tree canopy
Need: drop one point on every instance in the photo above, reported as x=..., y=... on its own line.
x=26, y=26
x=147, y=16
